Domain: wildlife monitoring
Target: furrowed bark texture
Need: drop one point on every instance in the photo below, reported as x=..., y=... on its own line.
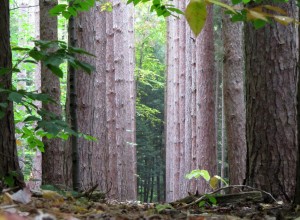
x=271, y=73
x=234, y=103
x=190, y=131
x=53, y=157
x=106, y=101
x=120, y=98
x=205, y=101
x=90, y=90
x=8, y=149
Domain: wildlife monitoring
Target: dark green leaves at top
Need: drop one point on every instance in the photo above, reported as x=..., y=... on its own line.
x=158, y=6
x=195, y=15
x=58, y=9
x=72, y=10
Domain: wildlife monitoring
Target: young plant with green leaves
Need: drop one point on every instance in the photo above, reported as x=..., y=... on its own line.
x=212, y=181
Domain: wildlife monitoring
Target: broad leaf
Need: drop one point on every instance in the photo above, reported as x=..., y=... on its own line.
x=195, y=15
x=253, y=15
x=15, y=97
x=197, y=173
x=212, y=199
x=58, y=9
x=56, y=70
x=214, y=181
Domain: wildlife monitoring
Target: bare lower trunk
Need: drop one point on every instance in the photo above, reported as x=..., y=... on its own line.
x=8, y=149
x=234, y=103
x=105, y=101
x=205, y=101
x=271, y=77
x=53, y=158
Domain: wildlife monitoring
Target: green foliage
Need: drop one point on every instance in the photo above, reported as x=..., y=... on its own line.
x=159, y=7
x=150, y=54
x=198, y=173
x=9, y=180
x=72, y=9
x=213, y=181
x=38, y=123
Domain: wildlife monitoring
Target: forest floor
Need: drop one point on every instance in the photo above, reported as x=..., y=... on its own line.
x=51, y=205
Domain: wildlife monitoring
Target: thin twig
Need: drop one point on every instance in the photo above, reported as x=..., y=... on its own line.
x=8, y=206
x=10, y=189
x=227, y=187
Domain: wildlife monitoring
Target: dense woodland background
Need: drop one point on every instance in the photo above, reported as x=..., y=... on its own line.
x=145, y=101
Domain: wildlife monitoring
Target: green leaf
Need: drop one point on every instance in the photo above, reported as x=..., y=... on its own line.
x=35, y=54
x=235, y=2
x=32, y=118
x=201, y=204
x=85, y=66
x=89, y=138
x=9, y=180
x=79, y=51
x=219, y=178
x=238, y=17
x=3, y=104
x=178, y=11
x=56, y=70
x=72, y=11
x=246, y=1
x=30, y=61
x=195, y=15
x=20, y=49
x=197, y=173
x=66, y=14
x=15, y=97
x=259, y=23
x=212, y=199
x=58, y=9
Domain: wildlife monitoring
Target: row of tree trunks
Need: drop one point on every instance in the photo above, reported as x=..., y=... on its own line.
x=106, y=101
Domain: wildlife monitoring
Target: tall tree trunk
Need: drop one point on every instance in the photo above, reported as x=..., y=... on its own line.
x=205, y=101
x=87, y=98
x=36, y=171
x=121, y=101
x=234, y=103
x=271, y=76
x=105, y=101
x=190, y=109
x=8, y=149
x=53, y=157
